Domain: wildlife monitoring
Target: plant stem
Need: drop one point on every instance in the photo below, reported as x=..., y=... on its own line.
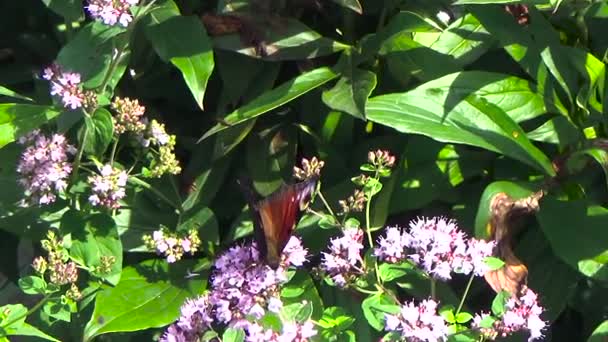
x=113, y=153
x=29, y=312
x=147, y=186
x=433, y=289
x=369, y=237
x=464, y=295
x=327, y=205
x=85, y=135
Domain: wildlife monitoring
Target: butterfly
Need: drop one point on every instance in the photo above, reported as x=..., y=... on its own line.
x=276, y=216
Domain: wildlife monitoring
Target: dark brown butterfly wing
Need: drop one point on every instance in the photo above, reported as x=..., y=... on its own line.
x=275, y=217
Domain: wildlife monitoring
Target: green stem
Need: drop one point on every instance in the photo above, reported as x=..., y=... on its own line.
x=327, y=205
x=147, y=186
x=85, y=135
x=382, y=17
x=464, y=295
x=369, y=236
x=433, y=288
x=364, y=290
x=29, y=312
x=113, y=153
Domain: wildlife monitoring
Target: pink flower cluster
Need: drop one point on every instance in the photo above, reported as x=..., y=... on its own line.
x=242, y=287
x=108, y=187
x=65, y=85
x=418, y=323
x=521, y=313
x=111, y=12
x=436, y=245
x=44, y=167
x=344, y=261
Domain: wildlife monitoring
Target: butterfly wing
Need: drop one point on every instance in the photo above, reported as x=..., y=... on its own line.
x=278, y=215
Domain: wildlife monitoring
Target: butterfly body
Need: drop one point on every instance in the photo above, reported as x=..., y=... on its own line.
x=276, y=216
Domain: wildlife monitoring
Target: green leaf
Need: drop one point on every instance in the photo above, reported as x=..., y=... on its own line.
x=351, y=92
x=149, y=295
x=18, y=119
x=91, y=52
x=498, y=304
x=493, y=263
x=100, y=131
x=463, y=317
x=389, y=272
x=444, y=110
x=282, y=39
x=447, y=313
x=524, y=149
x=92, y=238
x=465, y=40
x=202, y=220
x=7, y=92
x=297, y=312
x=600, y=333
x=337, y=317
x=233, y=335
x=375, y=308
x=557, y=130
x=191, y=53
x=16, y=313
x=578, y=160
x=58, y=309
x=32, y=285
x=584, y=248
x=70, y=10
x=275, y=98
x=350, y=4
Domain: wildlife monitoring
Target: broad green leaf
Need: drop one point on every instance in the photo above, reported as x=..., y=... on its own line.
x=18, y=119
x=465, y=40
x=7, y=92
x=90, y=53
x=300, y=289
x=350, y=4
x=15, y=316
x=270, y=158
x=191, y=53
x=515, y=190
x=100, y=129
x=451, y=109
x=32, y=285
x=389, y=272
x=577, y=234
x=279, y=39
x=70, y=10
x=58, y=310
x=600, y=333
x=375, y=308
x=142, y=299
x=578, y=160
x=297, y=312
x=498, y=304
x=94, y=237
x=557, y=130
x=493, y=263
x=524, y=150
x=204, y=222
x=275, y=98
x=351, y=92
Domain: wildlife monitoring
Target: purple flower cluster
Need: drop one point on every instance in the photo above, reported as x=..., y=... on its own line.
x=243, y=287
x=291, y=332
x=44, y=167
x=108, y=187
x=437, y=245
x=65, y=85
x=521, y=313
x=344, y=261
x=418, y=323
x=111, y=12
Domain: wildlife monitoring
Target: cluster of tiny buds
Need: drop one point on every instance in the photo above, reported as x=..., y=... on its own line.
x=310, y=168
x=61, y=271
x=381, y=159
x=354, y=203
x=129, y=115
x=105, y=264
x=172, y=245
